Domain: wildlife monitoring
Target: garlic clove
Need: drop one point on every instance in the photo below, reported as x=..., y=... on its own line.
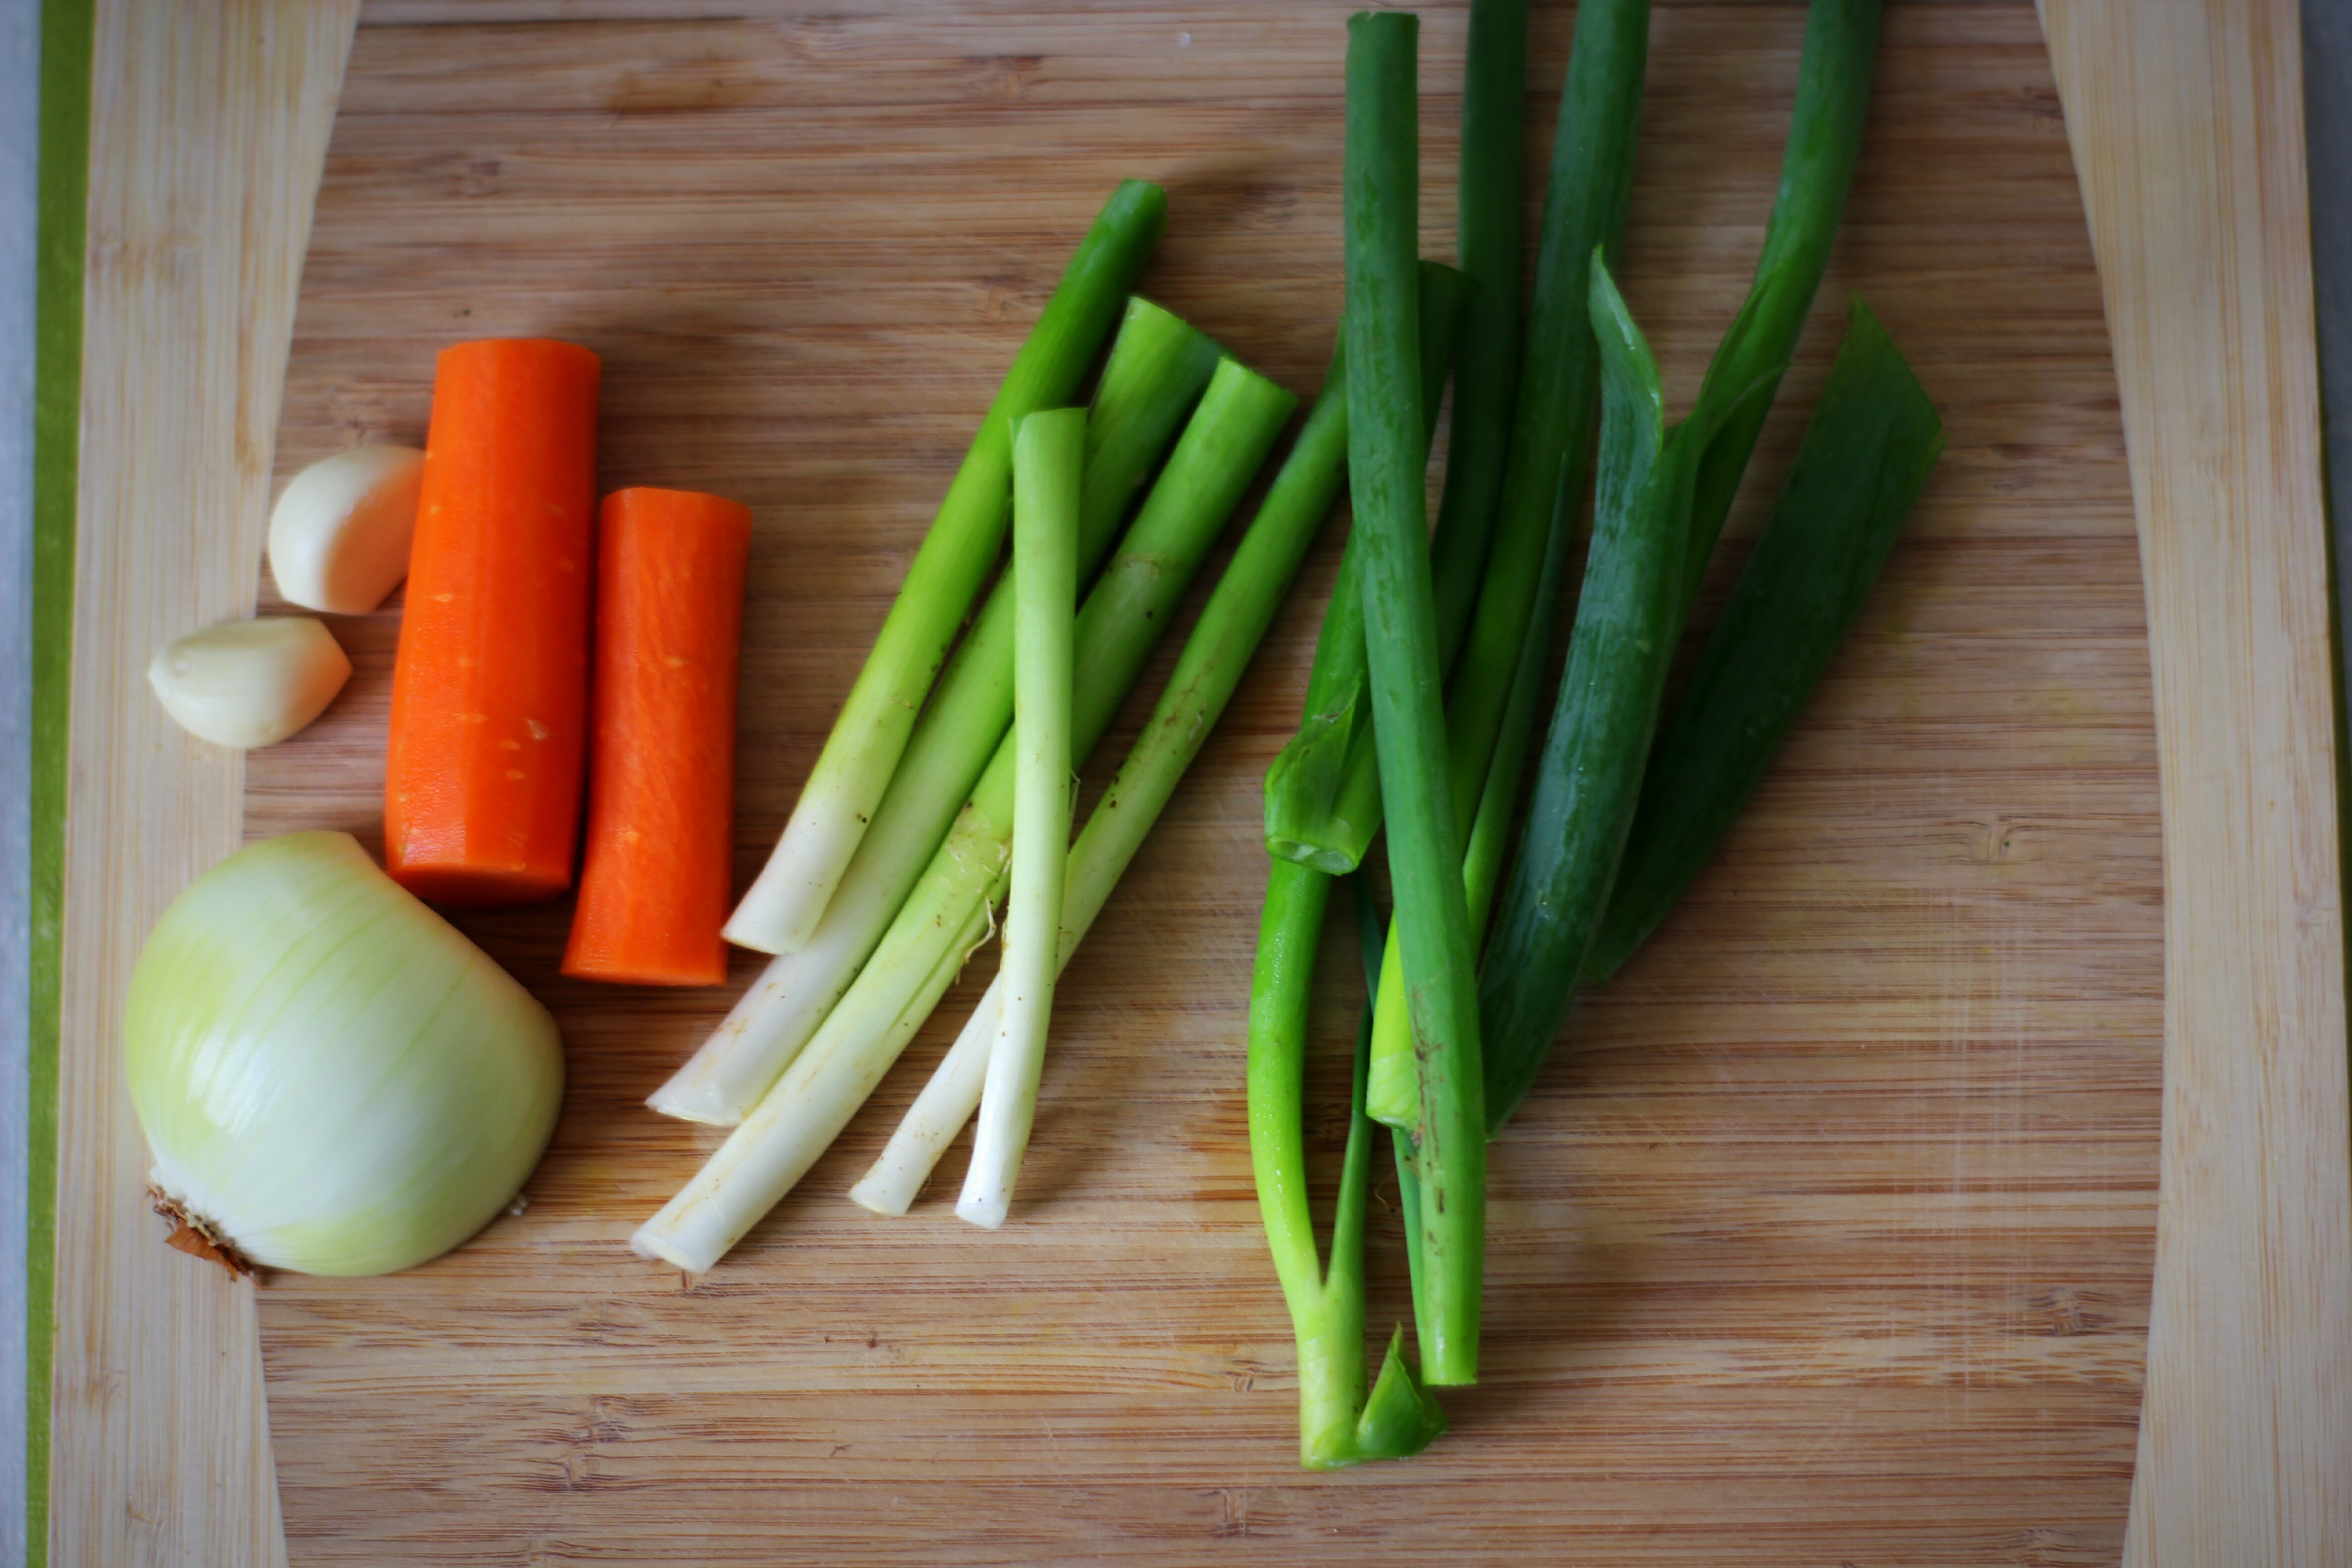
x=338, y=536
x=250, y=682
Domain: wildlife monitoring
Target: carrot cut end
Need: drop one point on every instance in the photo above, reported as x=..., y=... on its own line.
x=645, y=970
x=479, y=886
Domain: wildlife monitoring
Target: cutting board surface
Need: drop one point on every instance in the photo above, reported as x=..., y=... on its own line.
x=1826, y=1239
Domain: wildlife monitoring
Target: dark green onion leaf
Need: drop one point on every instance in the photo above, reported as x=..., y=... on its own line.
x=1864, y=458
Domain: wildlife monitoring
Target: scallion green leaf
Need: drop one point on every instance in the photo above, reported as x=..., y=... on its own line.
x=1386, y=457
x=1866, y=455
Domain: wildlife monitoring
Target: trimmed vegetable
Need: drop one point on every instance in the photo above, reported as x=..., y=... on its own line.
x=1047, y=450
x=1866, y=454
x=661, y=783
x=1585, y=204
x=1332, y=750
x=1154, y=378
x=947, y=915
x=1567, y=885
x=489, y=689
x=1490, y=199
x=1323, y=793
x=250, y=682
x=338, y=537
x=1231, y=626
x=1386, y=457
x=1626, y=617
x=333, y=1079
x=1833, y=76
x=1339, y=1424
x=781, y=912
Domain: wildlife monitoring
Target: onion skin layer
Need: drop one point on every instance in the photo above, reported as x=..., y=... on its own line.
x=333, y=1079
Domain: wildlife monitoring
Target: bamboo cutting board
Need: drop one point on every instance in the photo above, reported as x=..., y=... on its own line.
x=1828, y=1238
x=2188, y=126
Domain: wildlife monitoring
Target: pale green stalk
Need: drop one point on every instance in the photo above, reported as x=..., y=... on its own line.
x=1341, y=1420
x=1157, y=370
x=1230, y=628
x=781, y=912
x=948, y=911
x=1049, y=450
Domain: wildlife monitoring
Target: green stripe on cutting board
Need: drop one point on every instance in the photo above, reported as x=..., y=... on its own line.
x=64, y=191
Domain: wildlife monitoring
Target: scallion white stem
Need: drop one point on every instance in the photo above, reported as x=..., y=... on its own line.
x=1157, y=370
x=1047, y=449
x=1231, y=626
x=763, y=1158
x=947, y=915
x=947, y=1099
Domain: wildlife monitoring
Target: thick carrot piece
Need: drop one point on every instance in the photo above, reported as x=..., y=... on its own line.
x=661, y=749
x=489, y=689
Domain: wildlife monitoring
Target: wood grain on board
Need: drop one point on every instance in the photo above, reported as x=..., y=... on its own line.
x=2187, y=120
x=207, y=126
x=1828, y=1235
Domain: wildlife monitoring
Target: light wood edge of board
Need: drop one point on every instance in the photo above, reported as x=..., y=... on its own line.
x=2186, y=119
x=208, y=135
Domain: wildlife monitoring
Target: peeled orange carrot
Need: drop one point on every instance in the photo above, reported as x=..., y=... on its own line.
x=489, y=692
x=661, y=774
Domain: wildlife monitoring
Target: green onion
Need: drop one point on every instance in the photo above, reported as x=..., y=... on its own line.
x=1157, y=370
x=1866, y=455
x=1229, y=630
x=1336, y=1424
x=1332, y=752
x=947, y=915
x=1339, y=1424
x=1049, y=450
x=1585, y=203
x=1833, y=78
x=1481, y=865
x=1577, y=827
x=1626, y=618
x=781, y=912
x=1386, y=456
x=1393, y=1096
x=1482, y=860
x=1322, y=794
x=1487, y=224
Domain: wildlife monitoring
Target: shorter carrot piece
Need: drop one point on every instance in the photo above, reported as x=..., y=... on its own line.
x=654, y=890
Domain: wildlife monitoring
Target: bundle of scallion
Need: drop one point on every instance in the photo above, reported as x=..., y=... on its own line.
x=1156, y=372
x=949, y=909
x=1439, y=1068
x=918, y=888
x=1231, y=625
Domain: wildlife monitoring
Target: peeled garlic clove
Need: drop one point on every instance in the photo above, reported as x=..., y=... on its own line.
x=338, y=536
x=250, y=682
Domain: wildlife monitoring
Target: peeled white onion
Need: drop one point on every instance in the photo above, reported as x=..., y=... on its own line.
x=333, y=1079
x=338, y=536
x=250, y=682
